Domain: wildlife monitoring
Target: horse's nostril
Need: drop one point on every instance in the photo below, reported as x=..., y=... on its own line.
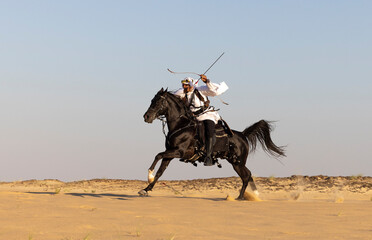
x=146, y=117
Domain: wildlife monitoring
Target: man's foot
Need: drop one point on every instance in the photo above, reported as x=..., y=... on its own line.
x=208, y=161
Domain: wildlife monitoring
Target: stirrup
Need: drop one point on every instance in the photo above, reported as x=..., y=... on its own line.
x=208, y=161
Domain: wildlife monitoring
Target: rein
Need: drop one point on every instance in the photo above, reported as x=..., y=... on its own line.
x=163, y=120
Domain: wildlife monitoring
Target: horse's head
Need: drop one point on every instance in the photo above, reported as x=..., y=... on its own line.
x=157, y=108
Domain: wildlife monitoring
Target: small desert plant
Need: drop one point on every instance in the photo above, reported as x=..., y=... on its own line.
x=138, y=232
x=355, y=177
x=57, y=190
x=171, y=237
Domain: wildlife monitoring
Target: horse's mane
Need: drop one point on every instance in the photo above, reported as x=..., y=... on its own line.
x=180, y=103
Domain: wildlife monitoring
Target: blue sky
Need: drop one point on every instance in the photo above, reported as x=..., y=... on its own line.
x=77, y=76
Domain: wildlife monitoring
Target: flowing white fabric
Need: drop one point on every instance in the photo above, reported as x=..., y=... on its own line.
x=209, y=89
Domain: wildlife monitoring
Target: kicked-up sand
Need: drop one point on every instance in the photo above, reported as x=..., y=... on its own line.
x=297, y=207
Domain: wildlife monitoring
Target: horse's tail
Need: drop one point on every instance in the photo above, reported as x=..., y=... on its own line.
x=261, y=131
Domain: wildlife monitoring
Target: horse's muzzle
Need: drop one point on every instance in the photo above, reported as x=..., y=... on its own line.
x=148, y=118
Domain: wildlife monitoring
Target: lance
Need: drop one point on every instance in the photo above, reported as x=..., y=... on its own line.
x=198, y=73
x=212, y=65
x=202, y=74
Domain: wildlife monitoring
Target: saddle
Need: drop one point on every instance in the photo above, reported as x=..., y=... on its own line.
x=222, y=129
x=222, y=133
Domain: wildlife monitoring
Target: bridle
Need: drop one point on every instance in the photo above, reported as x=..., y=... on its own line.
x=163, y=120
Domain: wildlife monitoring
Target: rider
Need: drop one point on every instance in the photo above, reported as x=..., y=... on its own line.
x=197, y=99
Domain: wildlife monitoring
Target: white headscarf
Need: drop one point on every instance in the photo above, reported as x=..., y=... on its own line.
x=191, y=81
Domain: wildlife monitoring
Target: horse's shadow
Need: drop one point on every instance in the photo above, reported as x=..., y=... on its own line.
x=96, y=195
x=125, y=196
x=214, y=199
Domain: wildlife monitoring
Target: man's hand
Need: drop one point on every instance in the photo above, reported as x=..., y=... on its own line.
x=204, y=78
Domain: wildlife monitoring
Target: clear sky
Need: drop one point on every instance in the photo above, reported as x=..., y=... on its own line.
x=77, y=76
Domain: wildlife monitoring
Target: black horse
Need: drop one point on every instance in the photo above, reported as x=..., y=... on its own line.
x=182, y=140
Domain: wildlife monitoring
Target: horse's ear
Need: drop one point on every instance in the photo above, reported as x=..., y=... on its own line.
x=161, y=90
x=166, y=90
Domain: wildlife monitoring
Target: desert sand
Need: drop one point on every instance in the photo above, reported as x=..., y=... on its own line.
x=297, y=207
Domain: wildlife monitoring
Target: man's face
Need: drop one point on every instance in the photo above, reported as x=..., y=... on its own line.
x=186, y=87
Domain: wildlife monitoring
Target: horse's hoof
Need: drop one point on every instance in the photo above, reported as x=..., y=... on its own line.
x=143, y=193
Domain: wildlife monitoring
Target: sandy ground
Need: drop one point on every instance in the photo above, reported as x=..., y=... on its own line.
x=298, y=207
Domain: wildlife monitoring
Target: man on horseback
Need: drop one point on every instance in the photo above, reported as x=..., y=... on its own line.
x=197, y=99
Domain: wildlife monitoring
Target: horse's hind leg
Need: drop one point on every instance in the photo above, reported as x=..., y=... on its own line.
x=253, y=186
x=246, y=177
x=164, y=164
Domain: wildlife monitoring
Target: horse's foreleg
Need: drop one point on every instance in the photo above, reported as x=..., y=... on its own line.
x=167, y=156
x=156, y=160
x=164, y=164
x=174, y=153
x=150, y=177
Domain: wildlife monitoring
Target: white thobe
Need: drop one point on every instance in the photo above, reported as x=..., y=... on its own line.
x=210, y=89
